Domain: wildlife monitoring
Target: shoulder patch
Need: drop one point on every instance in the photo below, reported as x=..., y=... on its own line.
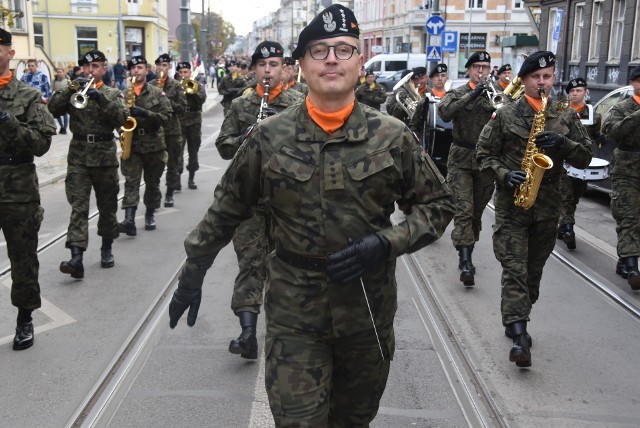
x=163, y=94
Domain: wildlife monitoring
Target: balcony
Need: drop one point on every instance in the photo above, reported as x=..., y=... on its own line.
x=418, y=17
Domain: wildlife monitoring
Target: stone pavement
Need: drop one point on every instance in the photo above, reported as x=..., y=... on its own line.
x=52, y=166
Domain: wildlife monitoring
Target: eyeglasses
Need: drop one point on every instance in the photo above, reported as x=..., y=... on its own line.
x=342, y=51
x=478, y=67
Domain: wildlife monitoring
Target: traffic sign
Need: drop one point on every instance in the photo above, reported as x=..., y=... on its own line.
x=434, y=53
x=435, y=25
x=450, y=41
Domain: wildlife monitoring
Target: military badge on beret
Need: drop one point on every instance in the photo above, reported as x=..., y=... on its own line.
x=267, y=49
x=577, y=82
x=440, y=68
x=329, y=23
x=334, y=21
x=537, y=61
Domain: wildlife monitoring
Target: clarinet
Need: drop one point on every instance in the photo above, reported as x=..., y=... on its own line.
x=264, y=106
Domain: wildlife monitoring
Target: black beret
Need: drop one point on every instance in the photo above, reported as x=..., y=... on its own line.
x=92, y=56
x=440, y=68
x=418, y=71
x=635, y=73
x=5, y=37
x=537, y=61
x=182, y=65
x=232, y=63
x=404, y=73
x=135, y=61
x=370, y=73
x=334, y=21
x=481, y=56
x=243, y=65
x=289, y=61
x=506, y=67
x=578, y=82
x=163, y=58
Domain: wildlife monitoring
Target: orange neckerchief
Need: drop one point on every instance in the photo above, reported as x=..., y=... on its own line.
x=535, y=103
x=273, y=92
x=99, y=84
x=423, y=89
x=437, y=93
x=503, y=85
x=637, y=98
x=137, y=88
x=473, y=85
x=577, y=108
x=4, y=80
x=329, y=122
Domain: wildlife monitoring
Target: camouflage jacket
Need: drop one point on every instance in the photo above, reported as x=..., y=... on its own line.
x=622, y=124
x=193, y=112
x=97, y=118
x=26, y=133
x=420, y=117
x=243, y=113
x=502, y=144
x=230, y=88
x=300, y=87
x=371, y=97
x=469, y=117
x=175, y=93
x=148, y=136
x=394, y=109
x=319, y=191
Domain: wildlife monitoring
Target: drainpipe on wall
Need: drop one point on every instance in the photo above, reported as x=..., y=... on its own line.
x=46, y=5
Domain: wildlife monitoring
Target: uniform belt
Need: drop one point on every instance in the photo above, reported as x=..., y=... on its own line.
x=93, y=138
x=15, y=159
x=552, y=179
x=195, y=110
x=316, y=264
x=464, y=145
x=629, y=148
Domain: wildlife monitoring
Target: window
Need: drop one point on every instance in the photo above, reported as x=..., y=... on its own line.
x=475, y=4
x=517, y=4
x=17, y=8
x=617, y=28
x=578, y=27
x=596, y=30
x=635, y=48
x=87, y=39
x=38, y=34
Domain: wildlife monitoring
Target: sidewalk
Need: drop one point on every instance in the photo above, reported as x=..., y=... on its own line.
x=52, y=166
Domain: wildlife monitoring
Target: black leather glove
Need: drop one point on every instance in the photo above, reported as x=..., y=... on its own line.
x=601, y=140
x=4, y=116
x=514, y=178
x=95, y=95
x=182, y=299
x=139, y=112
x=81, y=80
x=550, y=140
x=479, y=89
x=354, y=260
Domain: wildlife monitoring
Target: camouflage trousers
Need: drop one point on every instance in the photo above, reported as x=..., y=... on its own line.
x=151, y=166
x=192, y=136
x=625, y=208
x=20, y=223
x=522, y=244
x=174, y=160
x=571, y=190
x=250, y=245
x=472, y=190
x=105, y=181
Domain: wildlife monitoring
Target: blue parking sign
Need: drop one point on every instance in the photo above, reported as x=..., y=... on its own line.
x=450, y=41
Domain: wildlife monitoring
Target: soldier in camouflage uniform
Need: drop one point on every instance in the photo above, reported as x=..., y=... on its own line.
x=504, y=76
x=249, y=240
x=393, y=106
x=370, y=93
x=231, y=86
x=419, y=123
x=470, y=110
x=191, y=124
x=291, y=78
x=329, y=172
x=622, y=124
x=572, y=188
x=524, y=238
x=91, y=162
x=172, y=131
x=148, y=158
x=27, y=128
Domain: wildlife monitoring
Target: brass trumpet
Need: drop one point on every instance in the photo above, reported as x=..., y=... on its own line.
x=190, y=86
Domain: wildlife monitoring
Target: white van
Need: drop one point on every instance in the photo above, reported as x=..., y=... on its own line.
x=387, y=64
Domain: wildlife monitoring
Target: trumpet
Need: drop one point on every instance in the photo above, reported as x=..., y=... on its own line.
x=189, y=85
x=80, y=100
x=407, y=95
x=496, y=98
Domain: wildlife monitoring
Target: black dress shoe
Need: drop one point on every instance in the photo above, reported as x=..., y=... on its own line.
x=24, y=336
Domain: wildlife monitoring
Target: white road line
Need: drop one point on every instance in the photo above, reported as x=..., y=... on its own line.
x=261, y=416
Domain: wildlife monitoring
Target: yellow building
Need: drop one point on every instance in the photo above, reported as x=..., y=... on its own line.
x=119, y=28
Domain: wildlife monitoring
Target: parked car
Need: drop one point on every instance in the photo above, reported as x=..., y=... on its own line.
x=389, y=82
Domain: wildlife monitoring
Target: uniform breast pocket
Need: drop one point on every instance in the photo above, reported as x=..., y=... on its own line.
x=375, y=179
x=289, y=183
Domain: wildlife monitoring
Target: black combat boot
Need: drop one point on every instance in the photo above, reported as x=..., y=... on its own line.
x=508, y=331
x=247, y=343
x=466, y=266
x=621, y=269
x=128, y=225
x=106, y=257
x=561, y=231
x=149, y=221
x=178, y=188
x=520, y=353
x=168, y=198
x=633, y=276
x=74, y=266
x=569, y=237
x=24, y=330
x=192, y=184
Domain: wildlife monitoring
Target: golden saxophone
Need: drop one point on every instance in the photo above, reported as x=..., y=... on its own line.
x=534, y=162
x=160, y=82
x=126, y=137
x=514, y=89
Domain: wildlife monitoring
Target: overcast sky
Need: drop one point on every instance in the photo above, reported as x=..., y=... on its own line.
x=241, y=13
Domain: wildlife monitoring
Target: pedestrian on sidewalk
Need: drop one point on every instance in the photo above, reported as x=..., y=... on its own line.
x=60, y=83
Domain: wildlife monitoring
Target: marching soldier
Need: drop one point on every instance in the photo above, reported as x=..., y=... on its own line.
x=472, y=188
x=524, y=238
x=419, y=121
x=419, y=79
x=152, y=112
x=571, y=188
x=191, y=124
x=291, y=80
x=371, y=94
x=27, y=128
x=249, y=240
x=393, y=106
x=172, y=131
x=231, y=85
x=622, y=124
x=91, y=161
x=439, y=76
x=325, y=179
x=504, y=76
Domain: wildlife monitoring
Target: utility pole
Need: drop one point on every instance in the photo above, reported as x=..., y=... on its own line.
x=435, y=11
x=120, y=29
x=203, y=41
x=185, y=35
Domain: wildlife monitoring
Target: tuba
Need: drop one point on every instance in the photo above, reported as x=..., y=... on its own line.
x=534, y=162
x=126, y=137
x=496, y=98
x=407, y=95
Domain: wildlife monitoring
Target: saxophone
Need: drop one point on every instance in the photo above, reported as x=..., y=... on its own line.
x=160, y=83
x=126, y=137
x=534, y=162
